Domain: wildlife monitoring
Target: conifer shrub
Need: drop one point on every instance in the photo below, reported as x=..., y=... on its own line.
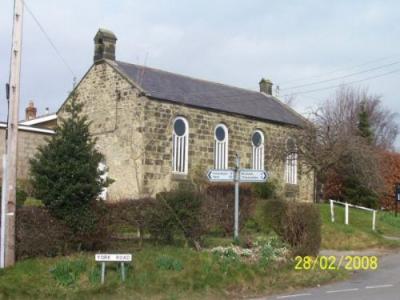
x=66, y=175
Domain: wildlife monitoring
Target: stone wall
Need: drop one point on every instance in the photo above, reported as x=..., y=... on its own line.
x=135, y=135
x=115, y=116
x=158, y=129
x=28, y=143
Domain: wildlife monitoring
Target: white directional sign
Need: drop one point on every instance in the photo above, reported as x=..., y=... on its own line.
x=221, y=175
x=113, y=257
x=249, y=175
x=237, y=175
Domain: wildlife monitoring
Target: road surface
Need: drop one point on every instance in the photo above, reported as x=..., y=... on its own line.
x=382, y=284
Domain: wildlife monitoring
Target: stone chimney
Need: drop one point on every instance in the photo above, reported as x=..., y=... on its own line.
x=266, y=86
x=104, y=45
x=30, y=111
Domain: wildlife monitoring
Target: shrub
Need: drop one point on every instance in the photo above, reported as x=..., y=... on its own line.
x=95, y=234
x=40, y=234
x=66, y=174
x=273, y=213
x=302, y=229
x=297, y=223
x=355, y=192
x=176, y=212
x=265, y=190
x=218, y=206
x=131, y=213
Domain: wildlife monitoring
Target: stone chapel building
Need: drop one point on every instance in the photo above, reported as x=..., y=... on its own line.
x=157, y=128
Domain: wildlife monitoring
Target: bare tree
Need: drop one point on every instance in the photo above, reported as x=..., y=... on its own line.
x=331, y=142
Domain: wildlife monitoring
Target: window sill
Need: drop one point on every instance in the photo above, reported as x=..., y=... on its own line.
x=179, y=176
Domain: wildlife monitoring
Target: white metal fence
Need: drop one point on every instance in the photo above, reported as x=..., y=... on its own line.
x=346, y=211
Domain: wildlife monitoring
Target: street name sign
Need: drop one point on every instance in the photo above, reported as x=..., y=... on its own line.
x=249, y=175
x=103, y=258
x=221, y=175
x=113, y=257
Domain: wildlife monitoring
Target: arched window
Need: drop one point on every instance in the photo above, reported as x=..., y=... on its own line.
x=291, y=162
x=257, y=141
x=180, y=146
x=221, y=147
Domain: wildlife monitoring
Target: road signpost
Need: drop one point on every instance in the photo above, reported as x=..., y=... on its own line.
x=397, y=196
x=237, y=175
x=118, y=258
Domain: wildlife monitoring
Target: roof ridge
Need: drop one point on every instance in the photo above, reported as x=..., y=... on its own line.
x=190, y=77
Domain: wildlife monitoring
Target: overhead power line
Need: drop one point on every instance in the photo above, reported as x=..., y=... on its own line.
x=343, y=84
x=341, y=77
x=48, y=39
x=338, y=70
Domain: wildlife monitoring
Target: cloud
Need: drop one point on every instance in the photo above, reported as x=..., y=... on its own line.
x=234, y=42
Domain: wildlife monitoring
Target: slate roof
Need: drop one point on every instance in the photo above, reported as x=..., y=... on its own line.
x=209, y=95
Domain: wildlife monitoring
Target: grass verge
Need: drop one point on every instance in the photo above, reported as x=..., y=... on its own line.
x=358, y=234
x=158, y=272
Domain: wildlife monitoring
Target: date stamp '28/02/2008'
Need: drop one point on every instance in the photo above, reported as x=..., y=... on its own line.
x=348, y=262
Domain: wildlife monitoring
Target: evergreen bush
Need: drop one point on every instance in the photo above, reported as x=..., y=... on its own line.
x=65, y=173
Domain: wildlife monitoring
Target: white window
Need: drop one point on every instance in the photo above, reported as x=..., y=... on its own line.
x=221, y=147
x=180, y=146
x=103, y=168
x=291, y=162
x=257, y=141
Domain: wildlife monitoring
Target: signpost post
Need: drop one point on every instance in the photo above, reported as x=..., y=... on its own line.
x=397, y=196
x=237, y=175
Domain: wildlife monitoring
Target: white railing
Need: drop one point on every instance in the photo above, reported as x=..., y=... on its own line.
x=346, y=211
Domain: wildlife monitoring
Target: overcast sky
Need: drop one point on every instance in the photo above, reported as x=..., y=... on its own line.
x=234, y=42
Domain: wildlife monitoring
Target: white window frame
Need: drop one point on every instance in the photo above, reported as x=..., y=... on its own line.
x=291, y=163
x=180, y=149
x=258, y=152
x=221, y=149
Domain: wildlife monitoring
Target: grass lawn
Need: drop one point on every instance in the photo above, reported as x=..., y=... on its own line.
x=178, y=272
x=158, y=272
x=358, y=234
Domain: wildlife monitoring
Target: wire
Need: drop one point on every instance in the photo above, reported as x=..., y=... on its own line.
x=342, y=77
x=339, y=70
x=343, y=84
x=48, y=39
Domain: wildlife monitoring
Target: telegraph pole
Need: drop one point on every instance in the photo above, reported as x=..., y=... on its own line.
x=12, y=134
x=237, y=179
